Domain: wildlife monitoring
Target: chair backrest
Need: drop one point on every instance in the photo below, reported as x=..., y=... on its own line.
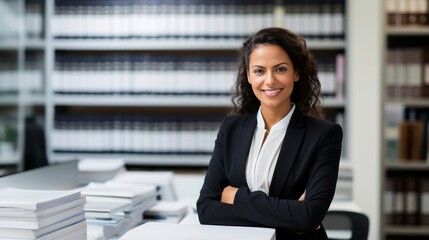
x=355, y=222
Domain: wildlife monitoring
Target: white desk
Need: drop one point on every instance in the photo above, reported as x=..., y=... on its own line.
x=192, y=218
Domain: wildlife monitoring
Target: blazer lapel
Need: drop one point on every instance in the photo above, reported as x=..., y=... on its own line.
x=287, y=156
x=245, y=132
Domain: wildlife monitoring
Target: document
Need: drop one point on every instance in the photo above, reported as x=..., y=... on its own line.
x=172, y=231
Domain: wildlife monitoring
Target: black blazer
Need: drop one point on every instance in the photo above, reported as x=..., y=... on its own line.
x=308, y=161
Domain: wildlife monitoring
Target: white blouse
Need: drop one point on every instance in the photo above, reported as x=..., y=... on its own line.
x=263, y=156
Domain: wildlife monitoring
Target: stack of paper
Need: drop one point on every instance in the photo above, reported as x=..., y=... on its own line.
x=166, y=211
x=162, y=179
x=117, y=208
x=171, y=231
x=99, y=170
x=41, y=214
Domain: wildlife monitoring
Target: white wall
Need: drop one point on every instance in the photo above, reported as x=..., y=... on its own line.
x=365, y=52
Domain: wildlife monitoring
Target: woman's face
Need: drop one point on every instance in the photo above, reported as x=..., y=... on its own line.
x=272, y=76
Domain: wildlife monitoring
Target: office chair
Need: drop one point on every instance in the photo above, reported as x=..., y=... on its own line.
x=355, y=222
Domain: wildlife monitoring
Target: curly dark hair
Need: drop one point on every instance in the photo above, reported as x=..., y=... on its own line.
x=306, y=92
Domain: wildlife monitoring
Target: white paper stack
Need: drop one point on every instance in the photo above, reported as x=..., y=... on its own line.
x=171, y=231
x=117, y=208
x=162, y=179
x=166, y=211
x=41, y=214
x=99, y=170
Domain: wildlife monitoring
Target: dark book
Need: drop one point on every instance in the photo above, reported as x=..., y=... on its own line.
x=424, y=200
x=411, y=200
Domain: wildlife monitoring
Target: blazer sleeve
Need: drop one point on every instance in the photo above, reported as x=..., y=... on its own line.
x=258, y=209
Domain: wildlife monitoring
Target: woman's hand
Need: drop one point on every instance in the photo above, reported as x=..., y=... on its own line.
x=228, y=195
x=302, y=198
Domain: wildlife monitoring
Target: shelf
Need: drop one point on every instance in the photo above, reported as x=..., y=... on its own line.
x=408, y=230
x=172, y=44
x=333, y=103
x=405, y=166
x=35, y=44
x=34, y=99
x=156, y=101
x=9, y=100
x=144, y=44
x=15, y=45
x=415, y=102
x=9, y=160
x=407, y=31
x=135, y=159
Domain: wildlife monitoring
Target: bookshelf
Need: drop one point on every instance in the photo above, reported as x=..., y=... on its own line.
x=12, y=62
x=405, y=159
x=71, y=33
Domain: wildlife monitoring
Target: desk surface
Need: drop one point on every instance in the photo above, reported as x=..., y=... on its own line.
x=62, y=176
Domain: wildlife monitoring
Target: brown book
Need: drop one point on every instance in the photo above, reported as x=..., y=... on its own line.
x=404, y=141
x=422, y=16
x=416, y=137
x=392, y=12
x=404, y=11
x=413, y=12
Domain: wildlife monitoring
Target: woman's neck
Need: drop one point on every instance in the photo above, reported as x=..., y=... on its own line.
x=273, y=116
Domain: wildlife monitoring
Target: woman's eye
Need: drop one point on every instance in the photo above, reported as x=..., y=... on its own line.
x=281, y=69
x=258, y=71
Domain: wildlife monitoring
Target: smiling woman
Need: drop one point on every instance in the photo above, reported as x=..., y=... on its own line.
x=275, y=160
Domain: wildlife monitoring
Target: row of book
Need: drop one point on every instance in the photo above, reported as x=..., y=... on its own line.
x=34, y=19
x=406, y=199
x=315, y=19
x=407, y=134
x=193, y=19
x=10, y=21
x=145, y=73
x=30, y=78
x=407, y=12
x=160, y=19
x=407, y=73
x=135, y=134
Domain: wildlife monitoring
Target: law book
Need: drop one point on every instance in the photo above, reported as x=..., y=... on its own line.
x=35, y=233
x=388, y=200
x=399, y=200
x=404, y=141
x=416, y=128
x=424, y=200
x=35, y=199
x=414, y=60
x=411, y=200
x=391, y=10
x=155, y=230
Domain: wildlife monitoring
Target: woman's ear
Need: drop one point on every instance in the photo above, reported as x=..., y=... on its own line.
x=296, y=76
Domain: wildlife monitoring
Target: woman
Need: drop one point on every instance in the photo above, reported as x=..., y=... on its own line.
x=275, y=161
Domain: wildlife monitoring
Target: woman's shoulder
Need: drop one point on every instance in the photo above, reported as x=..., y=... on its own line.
x=245, y=119
x=315, y=123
